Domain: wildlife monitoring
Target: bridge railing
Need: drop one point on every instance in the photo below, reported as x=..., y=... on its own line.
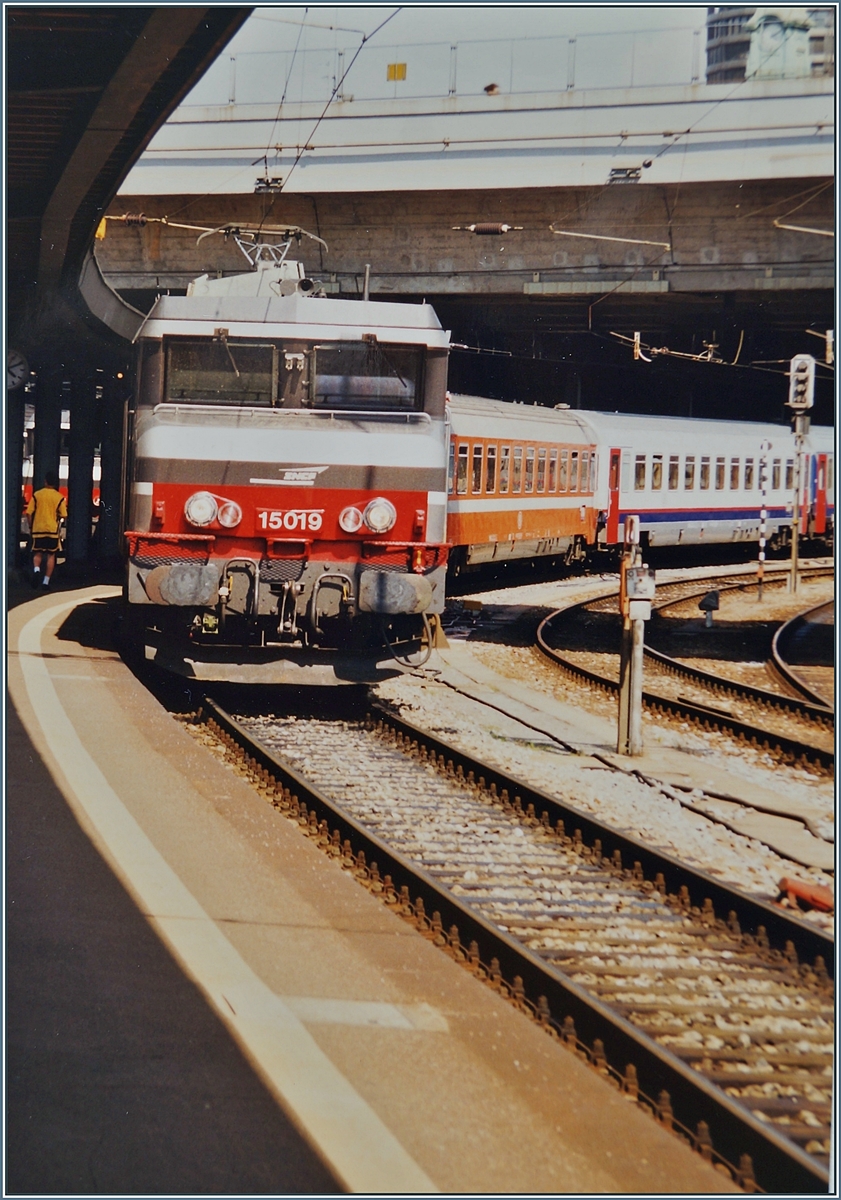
x=436, y=69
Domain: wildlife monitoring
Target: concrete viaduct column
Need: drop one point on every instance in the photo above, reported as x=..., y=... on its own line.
x=80, y=468
x=110, y=487
x=49, y=397
x=15, y=405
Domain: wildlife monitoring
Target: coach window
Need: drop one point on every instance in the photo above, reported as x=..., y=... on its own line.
x=504, y=468
x=573, y=471
x=490, y=474
x=748, y=474
x=530, y=469
x=674, y=472
x=704, y=481
x=564, y=480
x=541, y=470
x=657, y=472
x=451, y=468
x=477, y=469
x=639, y=473
x=461, y=470
x=553, y=470
x=689, y=473
x=734, y=474
x=789, y=474
x=517, y=470
x=775, y=475
x=719, y=474
x=585, y=470
x=592, y=486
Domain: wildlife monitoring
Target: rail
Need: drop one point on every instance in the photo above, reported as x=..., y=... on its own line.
x=711, y=718
x=783, y=669
x=755, y=1155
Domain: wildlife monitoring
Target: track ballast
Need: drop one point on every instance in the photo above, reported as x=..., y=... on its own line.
x=618, y=948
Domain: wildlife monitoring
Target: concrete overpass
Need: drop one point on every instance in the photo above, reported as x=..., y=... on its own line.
x=662, y=209
x=87, y=88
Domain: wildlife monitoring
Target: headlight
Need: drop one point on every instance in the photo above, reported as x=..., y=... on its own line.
x=380, y=515
x=229, y=515
x=350, y=519
x=200, y=509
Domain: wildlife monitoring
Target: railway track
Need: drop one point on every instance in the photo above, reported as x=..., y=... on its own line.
x=812, y=681
x=735, y=716
x=692, y=998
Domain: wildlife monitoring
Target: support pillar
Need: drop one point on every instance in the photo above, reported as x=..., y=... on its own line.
x=80, y=469
x=15, y=406
x=49, y=397
x=111, y=484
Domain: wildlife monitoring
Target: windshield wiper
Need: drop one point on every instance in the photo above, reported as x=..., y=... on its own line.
x=378, y=349
x=223, y=338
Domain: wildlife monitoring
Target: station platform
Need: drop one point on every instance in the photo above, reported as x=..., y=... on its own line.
x=200, y=1002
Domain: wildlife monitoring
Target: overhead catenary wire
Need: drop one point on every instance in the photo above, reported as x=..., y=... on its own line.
x=285, y=89
x=693, y=127
x=603, y=237
x=365, y=39
x=243, y=229
x=571, y=362
x=336, y=89
x=804, y=229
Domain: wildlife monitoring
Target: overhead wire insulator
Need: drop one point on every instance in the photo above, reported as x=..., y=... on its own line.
x=487, y=228
x=638, y=354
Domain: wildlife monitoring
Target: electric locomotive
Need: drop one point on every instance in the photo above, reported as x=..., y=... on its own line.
x=286, y=480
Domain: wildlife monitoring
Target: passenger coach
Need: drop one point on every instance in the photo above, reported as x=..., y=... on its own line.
x=521, y=482
x=693, y=482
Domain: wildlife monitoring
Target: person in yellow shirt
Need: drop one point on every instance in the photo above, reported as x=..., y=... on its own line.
x=45, y=511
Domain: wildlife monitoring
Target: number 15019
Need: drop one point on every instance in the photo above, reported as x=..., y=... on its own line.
x=291, y=519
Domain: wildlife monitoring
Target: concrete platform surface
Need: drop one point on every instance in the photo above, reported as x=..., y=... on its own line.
x=200, y=1002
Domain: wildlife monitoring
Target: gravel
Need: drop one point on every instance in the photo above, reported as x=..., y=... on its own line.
x=621, y=802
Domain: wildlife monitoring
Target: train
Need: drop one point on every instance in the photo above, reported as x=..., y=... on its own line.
x=299, y=481
x=527, y=481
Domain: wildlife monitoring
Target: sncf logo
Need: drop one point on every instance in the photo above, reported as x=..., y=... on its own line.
x=299, y=475
x=293, y=477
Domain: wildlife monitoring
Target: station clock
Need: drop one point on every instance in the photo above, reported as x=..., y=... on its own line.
x=17, y=370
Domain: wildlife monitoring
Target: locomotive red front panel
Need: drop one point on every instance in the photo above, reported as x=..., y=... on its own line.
x=261, y=515
x=288, y=528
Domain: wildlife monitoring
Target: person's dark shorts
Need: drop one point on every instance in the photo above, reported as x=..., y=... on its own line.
x=45, y=543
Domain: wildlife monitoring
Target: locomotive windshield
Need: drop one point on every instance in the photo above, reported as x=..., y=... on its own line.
x=354, y=376
x=220, y=372
x=367, y=375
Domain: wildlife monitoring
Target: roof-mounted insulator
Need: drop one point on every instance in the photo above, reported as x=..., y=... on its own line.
x=487, y=227
x=134, y=218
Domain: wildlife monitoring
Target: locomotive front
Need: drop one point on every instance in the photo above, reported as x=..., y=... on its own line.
x=287, y=482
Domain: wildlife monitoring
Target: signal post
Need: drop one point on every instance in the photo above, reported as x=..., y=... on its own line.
x=636, y=591
x=801, y=397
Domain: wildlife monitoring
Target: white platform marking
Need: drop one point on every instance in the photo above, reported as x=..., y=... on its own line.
x=314, y=1010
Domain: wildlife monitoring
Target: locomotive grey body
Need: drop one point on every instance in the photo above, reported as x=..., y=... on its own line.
x=287, y=496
